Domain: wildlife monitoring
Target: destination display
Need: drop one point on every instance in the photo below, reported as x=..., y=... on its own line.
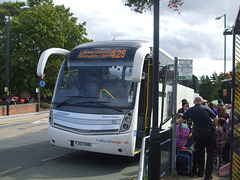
x=102, y=54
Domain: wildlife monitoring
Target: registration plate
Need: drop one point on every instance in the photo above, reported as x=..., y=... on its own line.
x=79, y=143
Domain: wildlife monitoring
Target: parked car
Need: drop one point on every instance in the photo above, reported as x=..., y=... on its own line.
x=14, y=97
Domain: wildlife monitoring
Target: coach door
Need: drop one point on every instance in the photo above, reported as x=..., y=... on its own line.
x=145, y=105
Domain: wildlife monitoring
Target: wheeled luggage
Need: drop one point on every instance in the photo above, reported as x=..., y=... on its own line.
x=224, y=170
x=185, y=161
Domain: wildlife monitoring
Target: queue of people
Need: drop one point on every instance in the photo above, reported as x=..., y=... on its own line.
x=210, y=129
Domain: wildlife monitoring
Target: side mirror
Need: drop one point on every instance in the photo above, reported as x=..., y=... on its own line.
x=138, y=63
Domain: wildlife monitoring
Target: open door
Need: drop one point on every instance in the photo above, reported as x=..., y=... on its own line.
x=145, y=105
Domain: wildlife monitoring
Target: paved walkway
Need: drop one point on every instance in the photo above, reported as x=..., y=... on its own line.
x=183, y=177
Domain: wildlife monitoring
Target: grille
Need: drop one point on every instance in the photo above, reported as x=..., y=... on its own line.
x=88, y=124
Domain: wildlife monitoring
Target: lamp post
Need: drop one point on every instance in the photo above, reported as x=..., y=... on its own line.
x=224, y=53
x=154, y=144
x=6, y=89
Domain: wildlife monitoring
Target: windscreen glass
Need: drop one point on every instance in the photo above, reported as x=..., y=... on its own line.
x=104, y=82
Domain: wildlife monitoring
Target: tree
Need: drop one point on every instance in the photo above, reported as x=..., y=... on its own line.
x=211, y=88
x=32, y=31
x=4, y=11
x=208, y=89
x=144, y=5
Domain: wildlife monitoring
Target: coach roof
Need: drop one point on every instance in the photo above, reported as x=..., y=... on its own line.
x=116, y=43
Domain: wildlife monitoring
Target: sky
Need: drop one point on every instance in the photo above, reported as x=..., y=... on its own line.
x=192, y=34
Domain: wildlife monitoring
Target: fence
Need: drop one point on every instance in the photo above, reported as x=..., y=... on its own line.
x=18, y=109
x=165, y=154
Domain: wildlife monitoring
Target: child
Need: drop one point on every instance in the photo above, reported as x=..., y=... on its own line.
x=226, y=150
x=182, y=133
x=222, y=133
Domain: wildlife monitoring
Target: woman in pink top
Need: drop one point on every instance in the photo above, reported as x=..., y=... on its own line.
x=182, y=134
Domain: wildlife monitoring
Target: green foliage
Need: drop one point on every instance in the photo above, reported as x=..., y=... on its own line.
x=32, y=31
x=211, y=88
x=44, y=105
x=141, y=6
x=33, y=3
x=208, y=89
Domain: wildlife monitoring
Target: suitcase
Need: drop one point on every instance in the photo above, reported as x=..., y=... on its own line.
x=224, y=170
x=185, y=161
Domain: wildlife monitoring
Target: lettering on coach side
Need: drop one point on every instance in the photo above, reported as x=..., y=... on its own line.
x=116, y=142
x=108, y=141
x=104, y=141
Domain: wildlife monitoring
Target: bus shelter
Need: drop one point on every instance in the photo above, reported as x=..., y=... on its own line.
x=235, y=115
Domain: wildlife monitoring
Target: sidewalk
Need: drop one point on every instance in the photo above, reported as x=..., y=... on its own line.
x=169, y=176
x=42, y=111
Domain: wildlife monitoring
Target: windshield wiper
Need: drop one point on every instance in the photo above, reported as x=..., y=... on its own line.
x=69, y=100
x=101, y=103
x=90, y=102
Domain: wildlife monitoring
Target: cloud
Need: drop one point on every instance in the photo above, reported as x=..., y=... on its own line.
x=206, y=66
x=194, y=33
x=114, y=20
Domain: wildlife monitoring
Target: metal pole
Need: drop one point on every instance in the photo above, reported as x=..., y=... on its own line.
x=155, y=63
x=233, y=105
x=38, y=98
x=154, y=145
x=174, y=115
x=141, y=167
x=163, y=93
x=224, y=43
x=7, y=60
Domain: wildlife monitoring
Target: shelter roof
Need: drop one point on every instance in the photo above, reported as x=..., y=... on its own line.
x=237, y=24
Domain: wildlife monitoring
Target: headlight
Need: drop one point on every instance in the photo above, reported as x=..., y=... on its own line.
x=51, y=116
x=127, y=119
x=126, y=123
x=125, y=126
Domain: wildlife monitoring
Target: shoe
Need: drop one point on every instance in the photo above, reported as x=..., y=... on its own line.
x=208, y=178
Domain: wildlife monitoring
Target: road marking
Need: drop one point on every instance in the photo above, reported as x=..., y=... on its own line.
x=7, y=171
x=53, y=157
x=13, y=121
x=36, y=131
x=35, y=122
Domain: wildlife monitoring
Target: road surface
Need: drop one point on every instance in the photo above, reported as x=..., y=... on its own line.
x=26, y=154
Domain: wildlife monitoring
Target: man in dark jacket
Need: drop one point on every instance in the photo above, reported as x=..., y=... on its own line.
x=204, y=123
